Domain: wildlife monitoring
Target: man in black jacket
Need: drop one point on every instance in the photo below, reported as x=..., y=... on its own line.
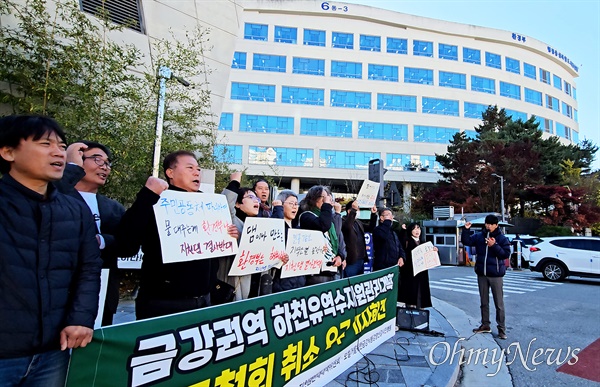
x=166, y=288
x=88, y=168
x=387, y=248
x=49, y=258
x=492, y=249
x=354, y=235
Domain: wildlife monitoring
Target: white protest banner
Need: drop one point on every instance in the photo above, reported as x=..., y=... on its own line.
x=193, y=225
x=368, y=194
x=134, y=262
x=305, y=251
x=424, y=257
x=262, y=246
x=102, y=297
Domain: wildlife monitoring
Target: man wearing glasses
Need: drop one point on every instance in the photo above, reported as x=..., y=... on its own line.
x=87, y=170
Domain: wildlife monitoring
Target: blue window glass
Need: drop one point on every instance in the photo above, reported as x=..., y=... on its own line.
x=263, y=62
x=314, y=38
x=471, y=55
x=370, y=43
x=414, y=75
x=383, y=72
x=346, y=69
x=342, y=40
x=325, y=128
x=287, y=157
x=474, y=110
x=226, y=122
x=434, y=134
x=545, y=125
x=575, y=136
x=447, y=51
x=534, y=97
x=422, y=48
x=545, y=76
x=308, y=66
x=286, y=34
x=513, y=65
x=302, y=96
x=493, y=60
x=228, y=154
x=552, y=103
x=346, y=159
x=399, y=103
x=529, y=71
x=397, y=46
x=350, y=99
x=568, y=88
x=445, y=107
x=567, y=110
x=239, y=60
x=563, y=131
x=575, y=94
x=575, y=116
x=266, y=124
x=256, y=31
x=470, y=134
x=557, y=82
x=428, y=161
x=516, y=115
x=383, y=131
x=396, y=161
x=510, y=90
x=484, y=85
x=454, y=80
x=253, y=92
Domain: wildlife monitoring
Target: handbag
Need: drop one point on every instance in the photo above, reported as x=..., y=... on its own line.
x=221, y=293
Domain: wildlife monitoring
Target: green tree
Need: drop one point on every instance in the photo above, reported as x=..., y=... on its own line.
x=60, y=62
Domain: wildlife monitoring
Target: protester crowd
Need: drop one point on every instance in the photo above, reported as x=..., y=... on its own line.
x=57, y=232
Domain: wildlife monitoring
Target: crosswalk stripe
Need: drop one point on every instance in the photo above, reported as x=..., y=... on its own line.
x=507, y=289
x=476, y=292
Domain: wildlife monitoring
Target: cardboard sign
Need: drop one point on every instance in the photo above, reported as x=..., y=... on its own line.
x=424, y=258
x=367, y=194
x=305, y=252
x=102, y=297
x=193, y=226
x=134, y=262
x=262, y=246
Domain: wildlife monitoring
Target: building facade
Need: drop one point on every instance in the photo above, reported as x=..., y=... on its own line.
x=309, y=91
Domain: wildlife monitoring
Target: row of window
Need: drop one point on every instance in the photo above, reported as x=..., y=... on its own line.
x=377, y=130
x=299, y=157
x=400, y=46
x=395, y=102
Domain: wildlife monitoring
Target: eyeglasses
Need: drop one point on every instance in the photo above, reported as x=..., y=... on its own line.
x=252, y=197
x=292, y=204
x=99, y=161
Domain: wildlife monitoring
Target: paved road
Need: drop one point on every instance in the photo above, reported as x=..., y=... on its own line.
x=552, y=318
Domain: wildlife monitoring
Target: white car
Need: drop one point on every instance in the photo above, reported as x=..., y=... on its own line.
x=526, y=242
x=558, y=257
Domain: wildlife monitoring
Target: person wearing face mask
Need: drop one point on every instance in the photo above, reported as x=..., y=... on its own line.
x=87, y=170
x=318, y=215
x=166, y=288
x=492, y=249
x=414, y=289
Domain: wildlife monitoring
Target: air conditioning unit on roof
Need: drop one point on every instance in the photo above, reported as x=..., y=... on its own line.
x=445, y=212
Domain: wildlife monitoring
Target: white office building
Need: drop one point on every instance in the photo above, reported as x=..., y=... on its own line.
x=309, y=91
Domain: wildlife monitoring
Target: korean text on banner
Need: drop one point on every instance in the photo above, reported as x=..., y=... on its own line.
x=302, y=337
x=305, y=252
x=193, y=226
x=368, y=194
x=424, y=257
x=262, y=246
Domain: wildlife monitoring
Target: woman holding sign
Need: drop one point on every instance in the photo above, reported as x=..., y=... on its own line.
x=414, y=289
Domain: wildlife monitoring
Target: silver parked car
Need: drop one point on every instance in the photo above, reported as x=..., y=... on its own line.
x=559, y=257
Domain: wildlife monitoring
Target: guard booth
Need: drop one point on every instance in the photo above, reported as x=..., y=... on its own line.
x=444, y=233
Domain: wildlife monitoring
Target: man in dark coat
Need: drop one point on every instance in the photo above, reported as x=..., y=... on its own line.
x=354, y=235
x=88, y=168
x=492, y=249
x=387, y=248
x=49, y=257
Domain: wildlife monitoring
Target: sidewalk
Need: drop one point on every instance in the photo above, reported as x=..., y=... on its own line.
x=417, y=359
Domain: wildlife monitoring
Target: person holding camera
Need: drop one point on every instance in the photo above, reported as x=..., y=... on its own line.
x=493, y=248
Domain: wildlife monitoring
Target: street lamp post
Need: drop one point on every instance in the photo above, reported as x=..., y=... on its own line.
x=501, y=193
x=164, y=73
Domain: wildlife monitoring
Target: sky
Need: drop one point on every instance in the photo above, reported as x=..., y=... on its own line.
x=572, y=27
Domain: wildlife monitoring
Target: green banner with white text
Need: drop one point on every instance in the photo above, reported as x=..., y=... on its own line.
x=301, y=337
